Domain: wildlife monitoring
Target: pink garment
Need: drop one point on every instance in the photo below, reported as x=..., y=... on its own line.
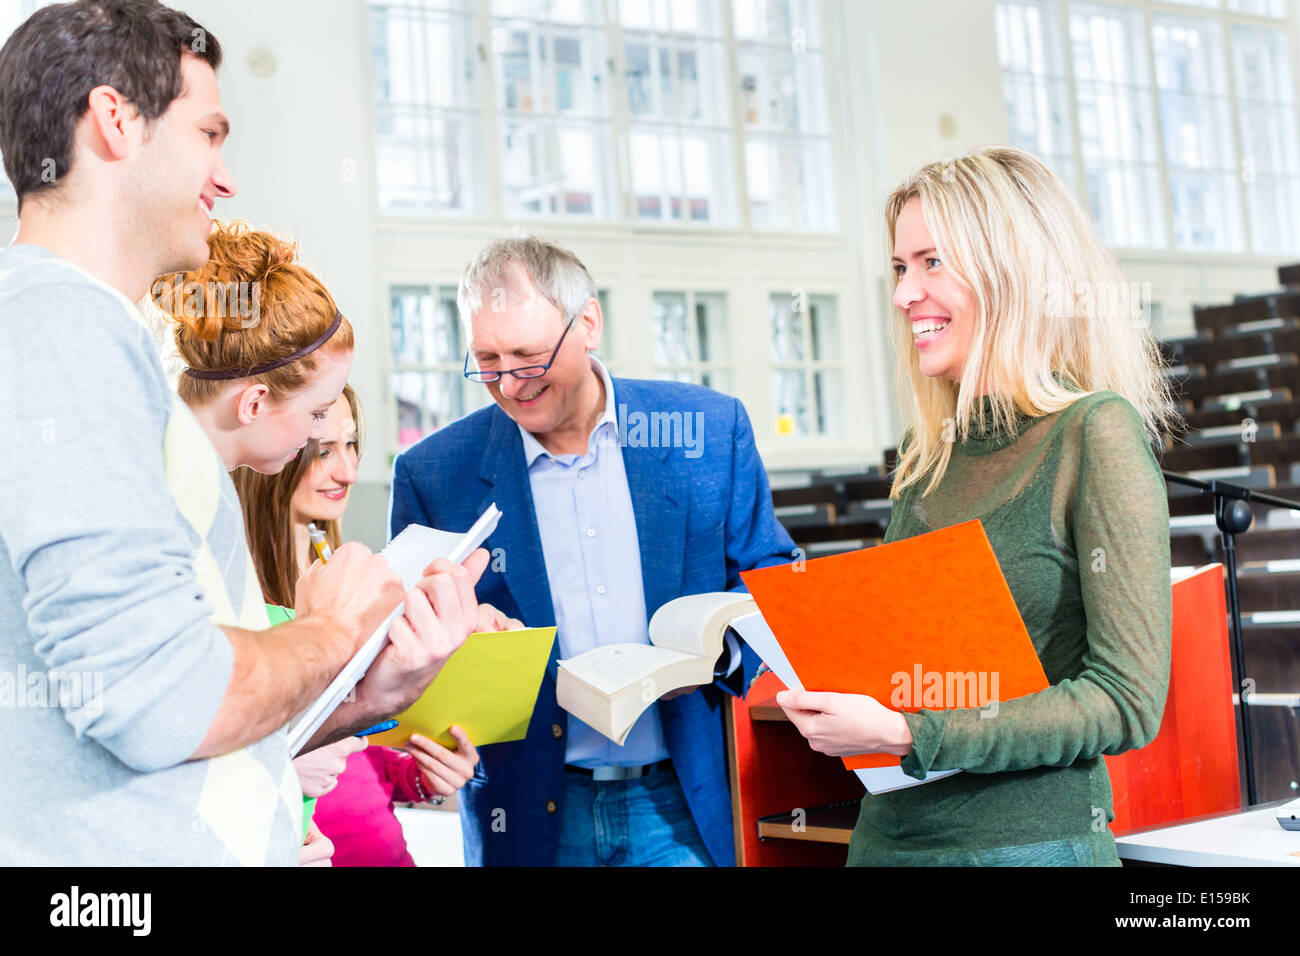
x=357, y=815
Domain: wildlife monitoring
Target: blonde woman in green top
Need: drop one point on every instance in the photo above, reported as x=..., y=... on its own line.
x=1032, y=387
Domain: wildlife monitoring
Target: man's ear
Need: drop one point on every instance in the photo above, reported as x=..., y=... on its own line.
x=251, y=403
x=593, y=321
x=109, y=117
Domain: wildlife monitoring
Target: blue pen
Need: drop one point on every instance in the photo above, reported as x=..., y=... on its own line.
x=378, y=728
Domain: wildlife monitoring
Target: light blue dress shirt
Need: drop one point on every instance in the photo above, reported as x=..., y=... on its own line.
x=593, y=565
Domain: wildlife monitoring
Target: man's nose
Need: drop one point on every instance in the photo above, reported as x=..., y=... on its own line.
x=512, y=386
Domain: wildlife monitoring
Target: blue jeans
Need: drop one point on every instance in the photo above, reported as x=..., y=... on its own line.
x=641, y=822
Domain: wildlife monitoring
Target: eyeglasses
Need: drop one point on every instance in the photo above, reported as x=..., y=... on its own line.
x=526, y=371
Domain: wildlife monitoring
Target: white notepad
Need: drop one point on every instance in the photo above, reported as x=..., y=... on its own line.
x=408, y=554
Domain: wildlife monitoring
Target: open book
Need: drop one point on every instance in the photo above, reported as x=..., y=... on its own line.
x=609, y=687
x=408, y=554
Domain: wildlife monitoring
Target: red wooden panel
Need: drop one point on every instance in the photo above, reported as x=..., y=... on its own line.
x=1190, y=769
x=774, y=771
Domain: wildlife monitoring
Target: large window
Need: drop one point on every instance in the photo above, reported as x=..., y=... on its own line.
x=712, y=113
x=1134, y=102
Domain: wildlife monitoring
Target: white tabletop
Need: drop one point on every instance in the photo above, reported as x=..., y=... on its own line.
x=1253, y=838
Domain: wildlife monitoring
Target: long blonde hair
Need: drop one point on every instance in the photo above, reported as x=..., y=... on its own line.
x=1054, y=318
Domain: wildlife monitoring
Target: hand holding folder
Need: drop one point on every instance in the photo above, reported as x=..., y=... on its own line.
x=923, y=623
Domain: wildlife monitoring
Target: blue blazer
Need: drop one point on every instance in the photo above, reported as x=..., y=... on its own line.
x=703, y=515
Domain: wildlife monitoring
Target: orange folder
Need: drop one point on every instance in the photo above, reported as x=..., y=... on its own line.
x=924, y=623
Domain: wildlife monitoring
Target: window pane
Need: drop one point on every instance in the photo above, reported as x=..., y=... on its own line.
x=679, y=141
x=425, y=328
x=787, y=330
x=1262, y=8
x=711, y=336
x=1198, y=135
x=554, y=11
x=672, y=339
x=1116, y=125
x=557, y=143
x=680, y=177
x=552, y=70
x=550, y=170
x=823, y=328
x=426, y=161
x=790, y=183
x=425, y=81
x=790, y=390
x=783, y=101
x=717, y=380
x=426, y=401
x=1267, y=119
x=805, y=334
x=1031, y=49
x=827, y=390
x=695, y=17
x=779, y=22
x=783, y=91
x=423, y=58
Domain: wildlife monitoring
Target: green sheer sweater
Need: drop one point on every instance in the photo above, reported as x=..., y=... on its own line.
x=1075, y=507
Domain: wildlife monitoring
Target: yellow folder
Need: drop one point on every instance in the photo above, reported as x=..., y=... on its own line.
x=487, y=688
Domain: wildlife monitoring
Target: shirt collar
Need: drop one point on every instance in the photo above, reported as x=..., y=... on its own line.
x=533, y=448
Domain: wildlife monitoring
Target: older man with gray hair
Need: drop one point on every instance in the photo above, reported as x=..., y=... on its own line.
x=601, y=526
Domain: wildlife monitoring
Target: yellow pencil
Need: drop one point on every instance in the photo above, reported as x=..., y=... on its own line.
x=318, y=542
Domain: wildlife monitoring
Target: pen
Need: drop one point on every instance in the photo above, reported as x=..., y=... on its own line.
x=377, y=729
x=318, y=542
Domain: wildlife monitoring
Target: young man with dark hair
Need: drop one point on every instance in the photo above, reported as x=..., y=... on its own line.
x=144, y=704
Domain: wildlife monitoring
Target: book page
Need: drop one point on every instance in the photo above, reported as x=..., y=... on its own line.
x=694, y=623
x=611, y=668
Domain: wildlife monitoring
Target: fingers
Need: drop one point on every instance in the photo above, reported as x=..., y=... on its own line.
x=438, y=778
x=806, y=700
x=440, y=757
x=419, y=619
x=453, y=603
x=805, y=721
x=491, y=619
x=463, y=745
x=475, y=565
x=317, y=849
x=352, y=745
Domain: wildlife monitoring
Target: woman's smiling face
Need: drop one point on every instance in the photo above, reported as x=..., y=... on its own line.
x=322, y=494
x=939, y=309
